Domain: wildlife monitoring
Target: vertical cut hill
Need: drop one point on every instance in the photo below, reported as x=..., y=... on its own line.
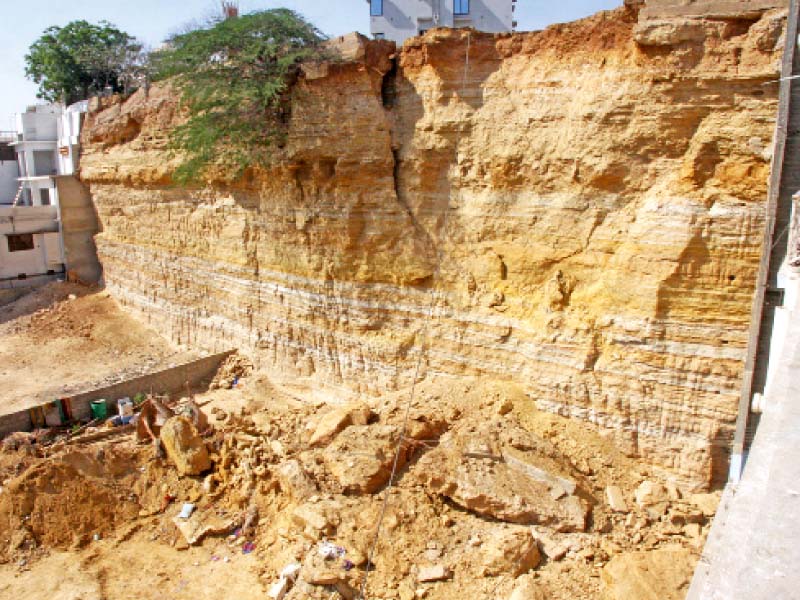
x=604, y=183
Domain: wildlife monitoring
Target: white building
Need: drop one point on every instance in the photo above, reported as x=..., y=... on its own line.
x=398, y=20
x=45, y=145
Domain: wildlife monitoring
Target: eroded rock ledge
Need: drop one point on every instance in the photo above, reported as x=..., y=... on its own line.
x=604, y=180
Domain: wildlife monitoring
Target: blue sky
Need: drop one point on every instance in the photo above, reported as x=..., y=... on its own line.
x=151, y=21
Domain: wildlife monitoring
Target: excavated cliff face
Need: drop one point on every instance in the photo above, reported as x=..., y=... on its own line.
x=594, y=194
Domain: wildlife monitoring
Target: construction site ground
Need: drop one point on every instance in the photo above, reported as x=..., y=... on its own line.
x=66, y=338
x=491, y=498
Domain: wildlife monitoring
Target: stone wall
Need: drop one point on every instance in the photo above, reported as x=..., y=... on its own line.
x=595, y=203
x=167, y=381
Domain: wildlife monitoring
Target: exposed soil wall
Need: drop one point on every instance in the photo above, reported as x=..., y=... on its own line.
x=595, y=193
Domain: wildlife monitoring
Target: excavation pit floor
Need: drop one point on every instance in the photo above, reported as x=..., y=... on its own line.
x=65, y=338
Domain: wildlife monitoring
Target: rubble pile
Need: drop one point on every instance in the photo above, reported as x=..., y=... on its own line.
x=232, y=369
x=485, y=500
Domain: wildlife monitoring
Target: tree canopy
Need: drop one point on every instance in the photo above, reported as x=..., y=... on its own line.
x=71, y=63
x=233, y=77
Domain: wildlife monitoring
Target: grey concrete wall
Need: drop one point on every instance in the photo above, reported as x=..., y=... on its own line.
x=25, y=285
x=718, y=9
x=168, y=381
x=79, y=225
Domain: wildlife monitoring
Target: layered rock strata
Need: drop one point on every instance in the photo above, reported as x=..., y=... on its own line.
x=578, y=210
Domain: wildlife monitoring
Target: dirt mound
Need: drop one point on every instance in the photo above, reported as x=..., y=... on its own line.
x=63, y=502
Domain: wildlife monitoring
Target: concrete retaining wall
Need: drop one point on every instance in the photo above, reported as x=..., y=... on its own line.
x=12, y=290
x=79, y=225
x=168, y=381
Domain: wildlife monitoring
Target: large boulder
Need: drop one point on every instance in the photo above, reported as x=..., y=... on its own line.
x=184, y=447
x=337, y=420
x=501, y=471
x=361, y=458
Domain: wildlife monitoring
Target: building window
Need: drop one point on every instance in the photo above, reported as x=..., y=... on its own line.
x=376, y=8
x=460, y=7
x=20, y=242
x=44, y=196
x=44, y=162
x=379, y=36
x=7, y=152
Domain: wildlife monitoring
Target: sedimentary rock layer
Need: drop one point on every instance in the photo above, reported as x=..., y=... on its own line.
x=578, y=210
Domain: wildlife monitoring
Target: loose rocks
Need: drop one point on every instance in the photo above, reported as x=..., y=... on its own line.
x=184, y=446
x=511, y=552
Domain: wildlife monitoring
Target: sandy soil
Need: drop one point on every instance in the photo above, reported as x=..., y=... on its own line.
x=137, y=568
x=65, y=338
x=86, y=521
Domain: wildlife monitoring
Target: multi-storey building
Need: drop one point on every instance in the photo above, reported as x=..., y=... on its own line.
x=399, y=20
x=43, y=147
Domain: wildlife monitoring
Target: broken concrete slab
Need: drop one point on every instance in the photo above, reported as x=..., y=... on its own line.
x=559, y=483
x=554, y=549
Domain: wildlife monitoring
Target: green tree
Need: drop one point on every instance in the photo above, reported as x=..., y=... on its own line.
x=234, y=77
x=71, y=63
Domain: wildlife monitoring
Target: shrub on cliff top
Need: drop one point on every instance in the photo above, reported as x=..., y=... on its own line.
x=234, y=77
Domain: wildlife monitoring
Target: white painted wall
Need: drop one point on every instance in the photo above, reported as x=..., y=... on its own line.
x=44, y=257
x=39, y=124
x=403, y=19
x=41, y=133
x=42, y=223
x=9, y=171
x=69, y=132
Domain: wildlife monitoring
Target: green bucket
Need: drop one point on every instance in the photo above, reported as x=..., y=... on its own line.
x=99, y=409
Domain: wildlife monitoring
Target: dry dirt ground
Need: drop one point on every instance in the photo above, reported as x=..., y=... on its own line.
x=492, y=499
x=64, y=338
